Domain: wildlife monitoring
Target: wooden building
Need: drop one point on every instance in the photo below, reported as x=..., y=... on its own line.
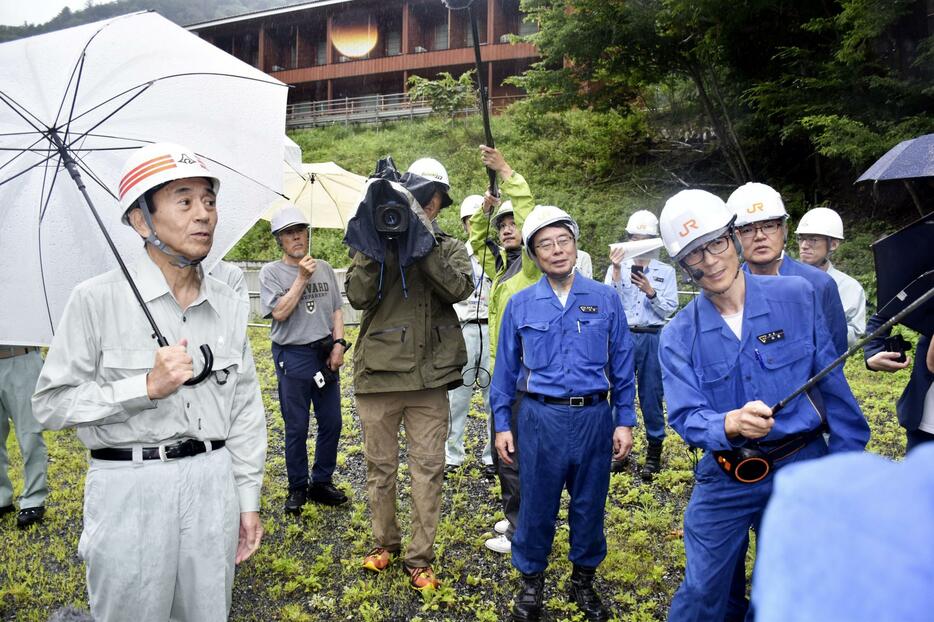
x=330, y=50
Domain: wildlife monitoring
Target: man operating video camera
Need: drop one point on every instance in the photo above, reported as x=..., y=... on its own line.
x=405, y=277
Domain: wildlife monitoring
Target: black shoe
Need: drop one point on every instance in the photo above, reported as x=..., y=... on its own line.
x=653, y=461
x=6, y=509
x=582, y=594
x=619, y=466
x=326, y=493
x=489, y=471
x=29, y=516
x=528, y=605
x=297, y=498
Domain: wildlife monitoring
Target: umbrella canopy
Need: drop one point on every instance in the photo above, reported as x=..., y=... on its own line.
x=103, y=90
x=902, y=260
x=635, y=248
x=324, y=192
x=906, y=160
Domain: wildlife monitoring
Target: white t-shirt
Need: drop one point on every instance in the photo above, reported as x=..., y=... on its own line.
x=735, y=322
x=927, y=415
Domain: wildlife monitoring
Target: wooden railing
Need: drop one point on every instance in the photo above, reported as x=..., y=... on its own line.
x=370, y=109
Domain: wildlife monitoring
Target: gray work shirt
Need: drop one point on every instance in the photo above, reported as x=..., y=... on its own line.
x=94, y=376
x=313, y=316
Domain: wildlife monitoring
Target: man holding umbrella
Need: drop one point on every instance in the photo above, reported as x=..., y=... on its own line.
x=172, y=491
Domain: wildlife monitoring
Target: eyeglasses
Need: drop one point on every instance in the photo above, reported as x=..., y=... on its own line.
x=809, y=240
x=548, y=246
x=714, y=247
x=767, y=228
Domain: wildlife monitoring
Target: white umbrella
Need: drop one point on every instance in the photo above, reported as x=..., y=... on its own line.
x=94, y=93
x=324, y=192
x=637, y=247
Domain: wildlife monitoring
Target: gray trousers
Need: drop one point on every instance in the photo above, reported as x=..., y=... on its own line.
x=160, y=538
x=18, y=376
x=459, y=398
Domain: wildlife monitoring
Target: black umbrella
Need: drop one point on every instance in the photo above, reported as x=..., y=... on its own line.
x=902, y=261
x=909, y=159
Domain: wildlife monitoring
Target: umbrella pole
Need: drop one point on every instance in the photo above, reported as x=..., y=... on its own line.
x=914, y=196
x=72, y=168
x=484, y=96
x=895, y=319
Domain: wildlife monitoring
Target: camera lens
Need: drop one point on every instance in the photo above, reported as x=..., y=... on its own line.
x=392, y=218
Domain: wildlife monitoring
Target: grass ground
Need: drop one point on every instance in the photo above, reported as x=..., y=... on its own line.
x=308, y=567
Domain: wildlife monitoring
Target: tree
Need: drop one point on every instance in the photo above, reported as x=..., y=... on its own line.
x=446, y=95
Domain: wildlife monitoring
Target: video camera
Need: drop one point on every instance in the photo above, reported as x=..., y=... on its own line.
x=391, y=219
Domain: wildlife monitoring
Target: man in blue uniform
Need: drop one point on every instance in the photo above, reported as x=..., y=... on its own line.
x=761, y=222
x=741, y=346
x=564, y=346
x=648, y=289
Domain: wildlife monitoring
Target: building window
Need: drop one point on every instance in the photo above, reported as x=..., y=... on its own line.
x=321, y=53
x=393, y=43
x=440, y=36
x=527, y=28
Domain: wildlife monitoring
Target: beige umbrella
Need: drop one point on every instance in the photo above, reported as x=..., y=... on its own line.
x=324, y=192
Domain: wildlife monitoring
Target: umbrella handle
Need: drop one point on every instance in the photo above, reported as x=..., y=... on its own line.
x=208, y=366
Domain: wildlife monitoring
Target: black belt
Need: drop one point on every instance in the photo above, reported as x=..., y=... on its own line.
x=644, y=329
x=781, y=448
x=181, y=449
x=576, y=400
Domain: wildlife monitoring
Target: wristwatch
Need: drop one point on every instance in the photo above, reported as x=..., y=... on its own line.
x=347, y=345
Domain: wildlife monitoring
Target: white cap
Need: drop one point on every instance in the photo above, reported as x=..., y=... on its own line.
x=755, y=202
x=470, y=205
x=543, y=216
x=642, y=222
x=505, y=209
x=692, y=218
x=285, y=218
x=821, y=221
x=157, y=164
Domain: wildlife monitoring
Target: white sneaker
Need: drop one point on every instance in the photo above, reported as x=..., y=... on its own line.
x=500, y=544
x=501, y=526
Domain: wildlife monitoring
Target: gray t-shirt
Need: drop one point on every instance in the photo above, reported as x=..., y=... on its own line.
x=312, y=318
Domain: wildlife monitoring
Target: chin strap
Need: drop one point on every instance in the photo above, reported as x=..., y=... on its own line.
x=176, y=259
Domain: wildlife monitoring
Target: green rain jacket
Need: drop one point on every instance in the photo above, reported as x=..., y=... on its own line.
x=414, y=343
x=521, y=273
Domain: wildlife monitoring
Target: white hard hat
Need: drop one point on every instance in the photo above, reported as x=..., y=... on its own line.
x=431, y=169
x=821, y=221
x=470, y=205
x=505, y=209
x=157, y=164
x=543, y=216
x=755, y=202
x=692, y=218
x=642, y=222
x=285, y=218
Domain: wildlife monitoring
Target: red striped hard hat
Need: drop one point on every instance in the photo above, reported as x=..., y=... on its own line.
x=157, y=164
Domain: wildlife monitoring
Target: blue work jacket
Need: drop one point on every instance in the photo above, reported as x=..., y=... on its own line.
x=828, y=297
x=708, y=372
x=579, y=349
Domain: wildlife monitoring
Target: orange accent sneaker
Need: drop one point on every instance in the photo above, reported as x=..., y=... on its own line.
x=422, y=579
x=377, y=559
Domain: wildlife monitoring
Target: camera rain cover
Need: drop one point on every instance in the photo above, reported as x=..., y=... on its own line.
x=387, y=186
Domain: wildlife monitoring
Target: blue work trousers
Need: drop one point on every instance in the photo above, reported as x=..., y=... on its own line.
x=296, y=367
x=649, y=385
x=716, y=535
x=562, y=446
